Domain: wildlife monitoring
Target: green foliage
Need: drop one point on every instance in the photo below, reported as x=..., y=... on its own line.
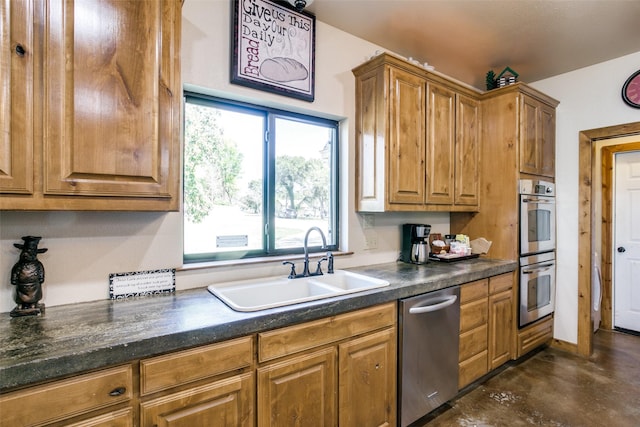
x=302, y=185
x=252, y=200
x=212, y=164
x=491, y=80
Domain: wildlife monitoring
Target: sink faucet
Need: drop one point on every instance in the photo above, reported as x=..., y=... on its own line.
x=306, y=272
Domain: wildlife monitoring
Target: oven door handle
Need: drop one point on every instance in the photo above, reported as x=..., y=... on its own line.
x=538, y=268
x=537, y=201
x=433, y=307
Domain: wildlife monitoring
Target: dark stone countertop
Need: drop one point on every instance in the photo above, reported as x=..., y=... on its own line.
x=73, y=338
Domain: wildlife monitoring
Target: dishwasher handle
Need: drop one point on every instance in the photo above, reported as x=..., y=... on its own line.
x=434, y=307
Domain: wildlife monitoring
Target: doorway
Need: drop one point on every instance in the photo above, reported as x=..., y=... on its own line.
x=587, y=223
x=626, y=243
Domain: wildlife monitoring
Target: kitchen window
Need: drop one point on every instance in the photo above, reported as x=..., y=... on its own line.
x=256, y=179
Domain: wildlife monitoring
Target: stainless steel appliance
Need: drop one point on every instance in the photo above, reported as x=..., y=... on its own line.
x=537, y=216
x=537, y=287
x=415, y=243
x=428, y=362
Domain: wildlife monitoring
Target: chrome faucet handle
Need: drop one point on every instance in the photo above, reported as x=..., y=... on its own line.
x=292, y=273
x=329, y=262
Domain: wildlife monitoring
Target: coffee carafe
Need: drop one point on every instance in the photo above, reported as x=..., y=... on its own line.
x=415, y=243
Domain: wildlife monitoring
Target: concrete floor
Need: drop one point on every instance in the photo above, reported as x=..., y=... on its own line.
x=555, y=388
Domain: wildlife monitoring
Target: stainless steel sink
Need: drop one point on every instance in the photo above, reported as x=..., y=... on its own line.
x=263, y=293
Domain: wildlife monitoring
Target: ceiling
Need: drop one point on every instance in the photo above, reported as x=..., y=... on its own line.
x=464, y=39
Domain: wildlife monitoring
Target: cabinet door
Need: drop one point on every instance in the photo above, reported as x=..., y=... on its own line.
x=548, y=141
x=406, y=156
x=537, y=138
x=529, y=137
x=299, y=392
x=467, y=165
x=440, y=144
x=224, y=403
x=500, y=328
x=112, y=98
x=16, y=97
x=367, y=380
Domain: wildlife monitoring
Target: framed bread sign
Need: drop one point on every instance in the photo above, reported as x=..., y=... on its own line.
x=273, y=48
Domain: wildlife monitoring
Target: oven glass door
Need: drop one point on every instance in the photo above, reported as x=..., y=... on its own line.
x=537, y=291
x=538, y=224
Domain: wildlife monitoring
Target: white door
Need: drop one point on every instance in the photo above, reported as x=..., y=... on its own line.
x=626, y=245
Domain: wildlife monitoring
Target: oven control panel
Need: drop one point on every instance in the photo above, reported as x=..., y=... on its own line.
x=537, y=187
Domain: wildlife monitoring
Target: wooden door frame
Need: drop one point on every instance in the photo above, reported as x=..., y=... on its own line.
x=606, y=261
x=587, y=149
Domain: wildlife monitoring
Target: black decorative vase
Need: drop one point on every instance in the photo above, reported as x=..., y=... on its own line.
x=27, y=275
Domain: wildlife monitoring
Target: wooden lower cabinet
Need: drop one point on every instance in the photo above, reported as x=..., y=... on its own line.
x=211, y=385
x=367, y=380
x=80, y=400
x=227, y=402
x=486, y=326
x=120, y=418
x=472, y=356
x=347, y=378
x=501, y=320
x=299, y=391
x=534, y=336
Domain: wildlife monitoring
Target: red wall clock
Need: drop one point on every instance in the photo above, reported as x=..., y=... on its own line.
x=631, y=90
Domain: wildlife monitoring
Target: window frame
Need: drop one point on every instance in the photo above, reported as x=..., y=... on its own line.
x=269, y=142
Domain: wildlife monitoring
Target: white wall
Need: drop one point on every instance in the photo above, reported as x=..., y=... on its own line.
x=84, y=247
x=589, y=98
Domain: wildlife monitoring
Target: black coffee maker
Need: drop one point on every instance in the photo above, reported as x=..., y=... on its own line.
x=415, y=243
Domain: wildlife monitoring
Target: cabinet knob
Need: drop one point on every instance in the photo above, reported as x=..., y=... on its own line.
x=118, y=391
x=20, y=50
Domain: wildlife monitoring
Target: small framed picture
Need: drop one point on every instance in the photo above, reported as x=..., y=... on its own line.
x=273, y=48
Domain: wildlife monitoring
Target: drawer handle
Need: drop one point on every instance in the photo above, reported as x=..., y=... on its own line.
x=118, y=391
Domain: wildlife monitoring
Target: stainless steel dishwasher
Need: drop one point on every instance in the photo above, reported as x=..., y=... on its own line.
x=429, y=336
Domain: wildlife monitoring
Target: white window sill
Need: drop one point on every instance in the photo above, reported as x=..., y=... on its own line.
x=254, y=261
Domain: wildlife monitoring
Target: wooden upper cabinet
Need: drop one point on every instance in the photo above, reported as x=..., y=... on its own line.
x=467, y=151
x=16, y=97
x=110, y=107
x=417, y=139
x=548, y=141
x=441, y=135
x=537, y=138
x=406, y=138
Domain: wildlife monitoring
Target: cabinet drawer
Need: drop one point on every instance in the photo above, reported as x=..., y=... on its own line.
x=534, y=336
x=472, y=369
x=163, y=372
x=121, y=418
x=67, y=398
x=289, y=340
x=474, y=290
x=473, y=342
x=500, y=283
x=473, y=314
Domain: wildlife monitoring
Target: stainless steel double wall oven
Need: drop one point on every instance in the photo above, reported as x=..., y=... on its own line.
x=537, y=250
